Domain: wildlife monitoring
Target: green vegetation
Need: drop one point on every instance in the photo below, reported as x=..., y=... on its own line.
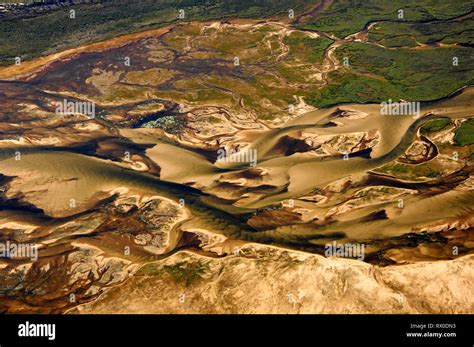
x=307, y=48
x=345, y=17
x=464, y=135
x=377, y=74
x=435, y=125
x=397, y=34
x=398, y=41
x=346, y=88
x=34, y=35
x=186, y=272
x=411, y=172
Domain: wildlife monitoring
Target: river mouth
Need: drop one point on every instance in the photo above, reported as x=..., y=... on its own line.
x=72, y=169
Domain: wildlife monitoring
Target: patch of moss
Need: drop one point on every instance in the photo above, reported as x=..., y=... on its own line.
x=464, y=135
x=435, y=125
